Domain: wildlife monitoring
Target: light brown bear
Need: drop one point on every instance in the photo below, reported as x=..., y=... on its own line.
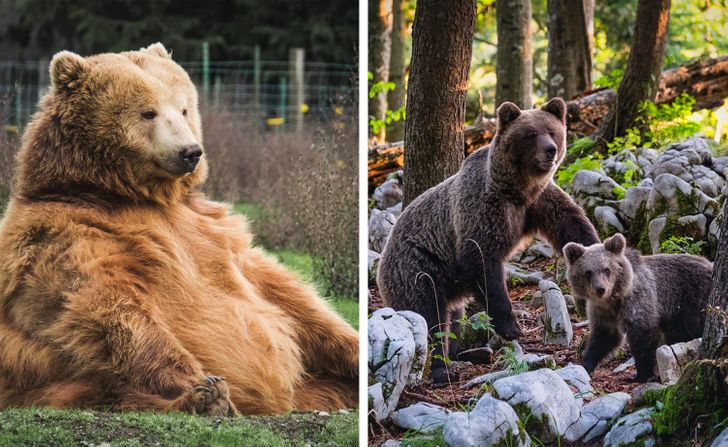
x=120, y=286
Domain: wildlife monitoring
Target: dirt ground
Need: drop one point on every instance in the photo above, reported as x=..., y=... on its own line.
x=452, y=396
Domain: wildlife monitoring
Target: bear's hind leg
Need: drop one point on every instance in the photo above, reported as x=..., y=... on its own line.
x=210, y=397
x=325, y=393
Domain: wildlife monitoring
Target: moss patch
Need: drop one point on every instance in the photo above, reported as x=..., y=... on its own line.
x=701, y=395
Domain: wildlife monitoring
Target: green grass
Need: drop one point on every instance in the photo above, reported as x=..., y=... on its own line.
x=49, y=427
x=302, y=263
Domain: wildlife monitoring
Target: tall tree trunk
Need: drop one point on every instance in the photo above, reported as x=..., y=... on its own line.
x=380, y=44
x=715, y=333
x=395, y=98
x=514, y=56
x=639, y=83
x=442, y=41
x=571, y=27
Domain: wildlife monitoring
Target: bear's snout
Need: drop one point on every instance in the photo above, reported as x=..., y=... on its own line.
x=550, y=151
x=190, y=156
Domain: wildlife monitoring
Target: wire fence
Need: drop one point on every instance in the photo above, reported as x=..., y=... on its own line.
x=277, y=94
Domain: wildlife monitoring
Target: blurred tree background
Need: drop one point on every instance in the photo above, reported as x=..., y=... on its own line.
x=326, y=29
x=698, y=29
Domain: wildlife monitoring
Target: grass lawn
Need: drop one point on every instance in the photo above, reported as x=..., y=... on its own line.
x=47, y=427
x=302, y=263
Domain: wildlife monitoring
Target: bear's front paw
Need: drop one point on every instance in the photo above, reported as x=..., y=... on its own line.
x=442, y=374
x=508, y=328
x=644, y=377
x=210, y=397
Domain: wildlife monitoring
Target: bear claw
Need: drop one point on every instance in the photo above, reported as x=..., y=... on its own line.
x=210, y=397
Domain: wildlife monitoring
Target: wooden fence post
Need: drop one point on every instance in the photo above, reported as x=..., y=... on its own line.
x=296, y=75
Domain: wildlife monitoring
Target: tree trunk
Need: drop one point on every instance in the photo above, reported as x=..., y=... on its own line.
x=395, y=98
x=514, y=58
x=380, y=33
x=442, y=43
x=570, y=30
x=715, y=333
x=639, y=83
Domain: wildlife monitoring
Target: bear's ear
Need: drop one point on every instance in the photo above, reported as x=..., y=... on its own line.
x=615, y=244
x=506, y=113
x=573, y=251
x=556, y=107
x=157, y=49
x=66, y=68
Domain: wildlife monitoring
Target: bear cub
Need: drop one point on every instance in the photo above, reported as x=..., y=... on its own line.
x=654, y=300
x=450, y=243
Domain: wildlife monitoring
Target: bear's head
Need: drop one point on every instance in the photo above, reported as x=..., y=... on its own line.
x=124, y=125
x=530, y=144
x=599, y=273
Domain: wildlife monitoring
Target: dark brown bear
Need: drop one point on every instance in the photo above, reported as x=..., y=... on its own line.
x=451, y=242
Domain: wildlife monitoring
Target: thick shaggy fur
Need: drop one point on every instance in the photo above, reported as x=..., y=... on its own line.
x=652, y=299
x=451, y=242
x=120, y=286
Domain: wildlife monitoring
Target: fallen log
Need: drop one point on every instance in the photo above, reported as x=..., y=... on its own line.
x=705, y=80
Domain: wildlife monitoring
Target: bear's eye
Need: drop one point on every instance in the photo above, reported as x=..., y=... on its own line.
x=607, y=272
x=184, y=112
x=150, y=115
x=588, y=274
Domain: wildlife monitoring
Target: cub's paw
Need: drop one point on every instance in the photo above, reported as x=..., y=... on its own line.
x=645, y=377
x=508, y=328
x=443, y=375
x=210, y=397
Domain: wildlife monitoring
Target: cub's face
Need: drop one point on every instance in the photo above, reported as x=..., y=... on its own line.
x=138, y=106
x=535, y=140
x=598, y=272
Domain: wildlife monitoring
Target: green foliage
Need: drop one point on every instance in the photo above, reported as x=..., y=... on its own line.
x=482, y=323
x=515, y=281
x=668, y=123
x=46, y=427
x=376, y=125
x=580, y=148
x=610, y=79
x=508, y=360
x=565, y=175
x=683, y=245
x=631, y=141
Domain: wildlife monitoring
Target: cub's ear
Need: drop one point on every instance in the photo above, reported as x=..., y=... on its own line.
x=556, y=107
x=615, y=244
x=506, y=113
x=66, y=69
x=157, y=49
x=573, y=251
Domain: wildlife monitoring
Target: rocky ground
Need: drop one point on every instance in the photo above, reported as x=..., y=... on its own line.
x=453, y=396
x=536, y=393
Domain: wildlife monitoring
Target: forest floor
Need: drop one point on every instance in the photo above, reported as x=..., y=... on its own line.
x=454, y=397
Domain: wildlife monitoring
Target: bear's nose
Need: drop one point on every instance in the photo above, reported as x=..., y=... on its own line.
x=191, y=156
x=551, y=150
x=600, y=291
